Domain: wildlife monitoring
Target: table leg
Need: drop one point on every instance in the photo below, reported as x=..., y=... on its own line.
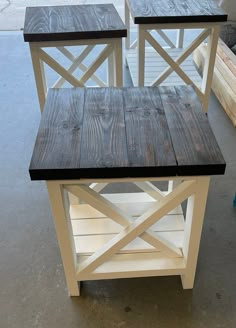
x=193, y=227
x=127, y=24
x=172, y=184
x=209, y=66
x=110, y=70
x=141, y=55
x=118, y=63
x=60, y=211
x=39, y=75
x=180, y=38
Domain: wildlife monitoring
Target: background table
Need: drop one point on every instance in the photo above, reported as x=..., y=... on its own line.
x=63, y=28
x=92, y=137
x=155, y=16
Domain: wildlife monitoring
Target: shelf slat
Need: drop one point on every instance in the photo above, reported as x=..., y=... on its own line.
x=103, y=225
x=134, y=265
x=87, y=245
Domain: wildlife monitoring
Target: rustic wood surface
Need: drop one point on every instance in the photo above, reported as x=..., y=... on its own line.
x=60, y=131
x=227, y=56
x=54, y=23
x=224, y=77
x=194, y=143
x=129, y=132
x=144, y=116
x=103, y=136
x=175, y=11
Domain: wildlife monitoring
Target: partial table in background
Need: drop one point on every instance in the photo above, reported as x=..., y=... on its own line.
x=153, y=65
x=60, y=27
x=91, y=137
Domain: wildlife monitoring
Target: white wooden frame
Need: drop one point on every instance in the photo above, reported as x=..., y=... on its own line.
x=210, y=31
x=112, y=53
x=128, y=235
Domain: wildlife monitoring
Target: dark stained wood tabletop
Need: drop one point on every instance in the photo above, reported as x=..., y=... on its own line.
x=175, y=11
x=124, y=132
x=72, y=22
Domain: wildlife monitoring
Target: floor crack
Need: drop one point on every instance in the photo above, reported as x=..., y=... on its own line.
x=7, y=5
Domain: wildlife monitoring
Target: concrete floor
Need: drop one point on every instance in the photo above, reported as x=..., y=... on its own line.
x=32, y=285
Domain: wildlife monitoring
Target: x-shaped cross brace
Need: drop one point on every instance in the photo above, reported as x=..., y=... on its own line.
x=66, y=74
x=175, y=65
x=112, y=51
x=132, y=229
x=209, y=30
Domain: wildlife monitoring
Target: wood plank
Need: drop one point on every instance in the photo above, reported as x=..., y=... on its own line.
x=228, y=74
x=128, y=197
x=133, y=209
x=73, y=22
x=227, y=56
x=195, y=146
x=225, y=95
x=223, y=64
x=222, y=84
x=148, y=140
x=134, y=204
x=103, y=134
x=87, y=245
x=175, y=11
x=85, y=133
x=134, y=265
x=104, y=225
x=57, y=145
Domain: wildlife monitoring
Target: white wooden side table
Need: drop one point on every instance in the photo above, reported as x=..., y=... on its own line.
x=154, y=65
x=92, y=137
x=65, y=27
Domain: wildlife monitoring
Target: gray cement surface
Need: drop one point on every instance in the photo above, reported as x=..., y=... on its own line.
x=32, y=285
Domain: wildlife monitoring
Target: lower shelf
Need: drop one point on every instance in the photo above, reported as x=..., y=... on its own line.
x=134, y=265
x=155, y=65
x=92, y=229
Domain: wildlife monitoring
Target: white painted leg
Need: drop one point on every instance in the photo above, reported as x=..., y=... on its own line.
x=193, y=228
x=127, y=24
x=172, y=184
x=60, y=211
x=39, y=75
x=209, y=66
x=180, y=38
x=141, y=55
x=110, y=70
x=118, y=63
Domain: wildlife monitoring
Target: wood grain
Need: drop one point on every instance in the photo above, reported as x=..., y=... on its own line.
x=227, y=56
x=194, y=143
x=148, y=139
x=58, y=141
x=124, y=132
x=54, y=23
x=103, y=137
x=223, y=82
x=175, y=11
